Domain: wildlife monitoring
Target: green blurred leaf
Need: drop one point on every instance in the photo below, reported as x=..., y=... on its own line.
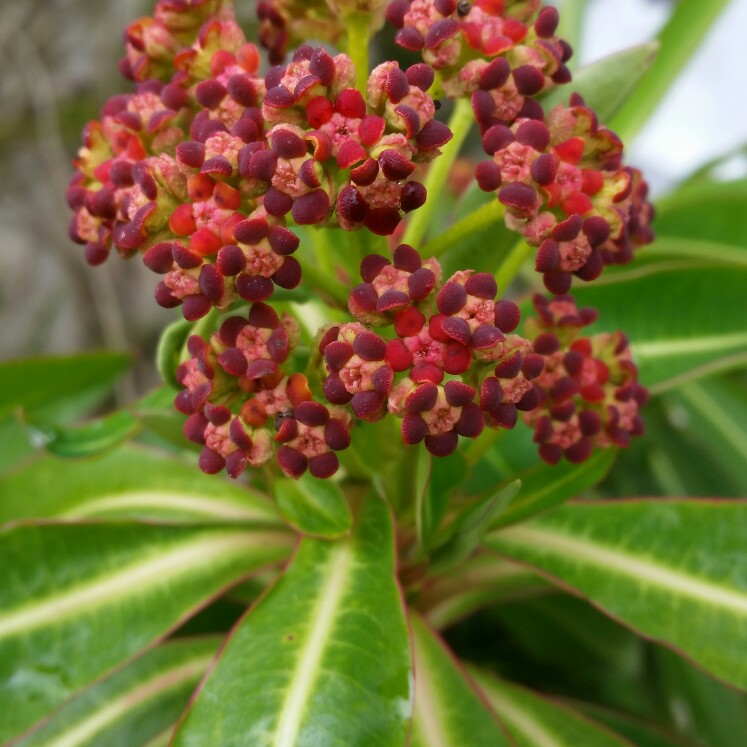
x=683, y=33
x=36, y=383
x=701, y=332
x=449, y=712
x=134, y=705
x=546, y=486
x=534, y=721
x=674, y=570
x=313, y=506
x=469, y=529
x=706, y=210
x=607, y=83
x=131, y=482
x=480, y=581
x=324, y=657
x=79, y=599
x=170, y=347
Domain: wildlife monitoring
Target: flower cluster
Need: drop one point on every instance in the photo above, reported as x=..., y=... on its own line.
x=206, y=166
x=566, y=191
x=244, y=408
x=462, y=368
x=589, y=391
x=498, y=53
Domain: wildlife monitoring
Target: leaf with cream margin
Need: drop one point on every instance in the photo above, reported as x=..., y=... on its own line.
x=79, y=599
x=322, y=659
x=134, y=705
x=674, y=570
x=131, y=482
x=449, y=712
x=534, y=721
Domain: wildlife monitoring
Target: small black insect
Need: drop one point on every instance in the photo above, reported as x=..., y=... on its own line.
x=464, y=7
x=436, y=104
x=281, y=416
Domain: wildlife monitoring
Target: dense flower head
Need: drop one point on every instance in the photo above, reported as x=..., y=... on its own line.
x=452, y=366
x=244, y=408
x=500, y=54
x=207, y=165
x=589, y=395
x=567, y=192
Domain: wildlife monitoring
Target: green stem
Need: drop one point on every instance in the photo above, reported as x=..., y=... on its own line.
x=460, y=124
x=320, y=280
x=512, y=263
x=483, y=217
x=359, y=36
x=680, y=38
x=571, y=28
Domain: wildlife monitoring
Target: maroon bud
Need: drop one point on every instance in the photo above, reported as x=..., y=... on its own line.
x=420, y=75
x=483, y=107
x=209, y=93
x=409, y=322
x=279, y=97
x=443, y=444
x=184, y=258
x=510, y=367
x=164, y=297
x=372, y=265
x=336, y=435
x=335, y=391
x=421, y=283
x=277, y=203
x=397, y=86
x=550, y=453
x=350, y=205
x=392, y=300
x=529, y=400
x=546, y=344
x=260, y=368
x=324, y=465
x=287, y=144
x=495, y=74
x=486, y=336
x=311, y=413
x=395, y=166
x=337, y=354
x=310, y=208
x=262, y=315
x=440, y=31
x=597, y=230
x=433, y=135
x=507, y=315
x=505, y=415
x=366, y=405
x=254, y=287
x=398, y=356
x=159, y=258
x=497, y=138
x=545, y=168
x=323, y=66
x=120, y=175
x=211, y=461
x=412, y=196
x=211, y=283
x=289, y=274
x=369, y=346
x=445, y=7
x=396, y=11
x=532, y=366
x=251, y=231
x=194, y=307
x=548, y=256
x=579, y=452
x=422, y=398
x=410, y=38
x=262, y=165
x=366, y=173
x=382, y=221
x=191, y=154
x=534, y=134
x=589, y=422
x=283, y=241
x=426, y=372
x=528, y=79
x=568, y=229
x=457, y=358
x=488, y=176
x=233, y=362
x=382, y=380
x=457, y=329
x=519, y=196
x=458, y=393
x=471, y=421
x=173, y=96
x=292, y=461
x=414, y=428
x=451, y=298
x=557, y=282
x=547, y=22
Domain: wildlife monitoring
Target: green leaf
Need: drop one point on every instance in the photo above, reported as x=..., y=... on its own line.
x=534, y=721
x=607, y=83
x=170, y=347
x=706, y=210
x=78, y=599
x=134, y=705
x=323, y=659
x=547, y=486
x=471, y=526
x=34, y=384
x=83, y=440
x=674, y=570
x=316, y=507
x=680, y=38
x=131, y=482
x=449, y=712
x=481, y=581
x=702, y=334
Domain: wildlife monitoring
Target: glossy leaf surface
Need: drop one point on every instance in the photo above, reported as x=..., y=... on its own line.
x=78, y=599
x=449, y=712
x=534, y=721
x=316, y=507
x=134, y=705
x=323, y=660
x=674, y=570
x=131, y=482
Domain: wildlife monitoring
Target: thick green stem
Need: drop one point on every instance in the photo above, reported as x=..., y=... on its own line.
x=459, y=124
x=359, y=36
x=483, y=217
x=680, y=38
x=512, y=263
x=326, y=283
x=572, y=15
